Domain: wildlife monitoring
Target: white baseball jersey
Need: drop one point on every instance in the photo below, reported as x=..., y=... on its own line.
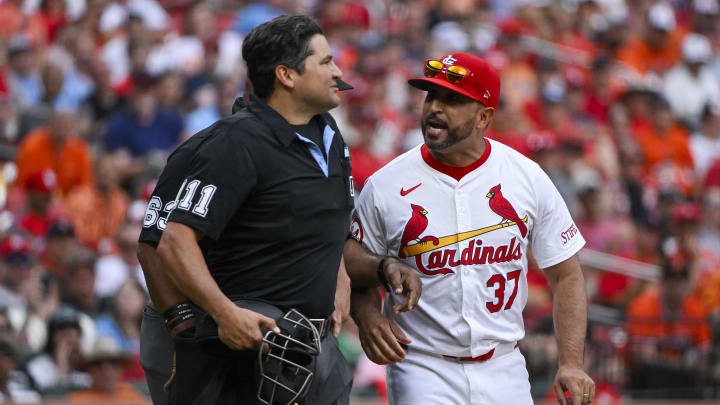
x=464, y=239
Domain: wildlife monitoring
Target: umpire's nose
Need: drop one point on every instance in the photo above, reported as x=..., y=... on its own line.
x=336, y=72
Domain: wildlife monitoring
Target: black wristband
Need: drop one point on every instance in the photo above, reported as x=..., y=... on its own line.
x=178, y=313
x=381, y=273
x=172, y=323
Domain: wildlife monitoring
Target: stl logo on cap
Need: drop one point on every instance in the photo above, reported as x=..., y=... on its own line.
x=449, y=60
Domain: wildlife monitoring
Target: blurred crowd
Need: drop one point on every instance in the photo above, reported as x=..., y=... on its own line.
x=618, y=101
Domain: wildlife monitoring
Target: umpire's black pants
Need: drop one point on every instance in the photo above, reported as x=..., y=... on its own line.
x=211, y=373
x=156, y=351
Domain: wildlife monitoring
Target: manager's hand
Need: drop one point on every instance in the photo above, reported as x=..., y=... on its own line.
x=404, y=281
x=380, y=338
x=574, y=380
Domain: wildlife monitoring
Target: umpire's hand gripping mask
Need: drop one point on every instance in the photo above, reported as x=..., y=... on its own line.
x=286, y=370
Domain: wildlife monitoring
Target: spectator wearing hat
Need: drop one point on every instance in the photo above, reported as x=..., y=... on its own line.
x=143, y=127
x=686, y=221
x=78, y=283
x=14, y=269
x=40, y=188
x=56, y=370
x=14, y=388
x=105, y=364
x=657, y=49
x=23, y=73
x=98, y=210
x=691, y=85
x=58, y=147
x=26, y=293
x=59, y=241
x=685, y=225
x=636, y=103
x=705, y=143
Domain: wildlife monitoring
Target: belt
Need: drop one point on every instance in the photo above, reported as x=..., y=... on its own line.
x=499, y=350
x=322, y=325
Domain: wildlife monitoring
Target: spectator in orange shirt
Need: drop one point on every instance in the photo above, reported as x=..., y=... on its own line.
x=669, y=336
x=658, y=49
x=59, y=148
x=98, y=210
x=666, y=147
x=105, y=364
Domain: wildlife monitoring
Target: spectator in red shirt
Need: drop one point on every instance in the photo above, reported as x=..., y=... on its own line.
x=40, y=189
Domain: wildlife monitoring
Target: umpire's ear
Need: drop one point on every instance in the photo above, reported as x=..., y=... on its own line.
x=286, y=76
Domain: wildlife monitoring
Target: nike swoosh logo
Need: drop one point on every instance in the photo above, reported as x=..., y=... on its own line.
x=404, y=192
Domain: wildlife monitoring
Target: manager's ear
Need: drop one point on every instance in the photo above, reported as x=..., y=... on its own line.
x=485, y=116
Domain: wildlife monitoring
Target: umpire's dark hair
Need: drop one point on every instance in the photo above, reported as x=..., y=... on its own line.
x=285, y=40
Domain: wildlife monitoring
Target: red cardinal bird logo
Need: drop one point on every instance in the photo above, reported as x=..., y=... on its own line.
x=502, y=207
x=415, y=226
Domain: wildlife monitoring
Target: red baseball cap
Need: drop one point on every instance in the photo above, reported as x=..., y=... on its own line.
x=481, y=83
x=687, y=212
x=44, y=181
x=14, y=244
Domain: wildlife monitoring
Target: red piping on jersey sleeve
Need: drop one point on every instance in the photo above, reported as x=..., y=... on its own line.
x=456, y=172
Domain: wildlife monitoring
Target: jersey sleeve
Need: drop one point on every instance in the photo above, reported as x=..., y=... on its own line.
x=367, y=224
x=220, y=176
x=162, y=201
x=554, y=236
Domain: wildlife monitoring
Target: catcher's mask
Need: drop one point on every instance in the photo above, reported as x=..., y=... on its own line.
x=286, y=369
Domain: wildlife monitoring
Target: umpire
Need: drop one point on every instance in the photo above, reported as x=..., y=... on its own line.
x=262, y=215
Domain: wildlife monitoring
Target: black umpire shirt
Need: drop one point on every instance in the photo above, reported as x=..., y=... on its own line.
x=162, y=201
x=274, y=211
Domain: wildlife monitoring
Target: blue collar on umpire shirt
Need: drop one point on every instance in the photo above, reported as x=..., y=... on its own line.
x=315, y=151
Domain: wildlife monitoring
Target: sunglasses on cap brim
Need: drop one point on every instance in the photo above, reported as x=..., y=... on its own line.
x=453, y=73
